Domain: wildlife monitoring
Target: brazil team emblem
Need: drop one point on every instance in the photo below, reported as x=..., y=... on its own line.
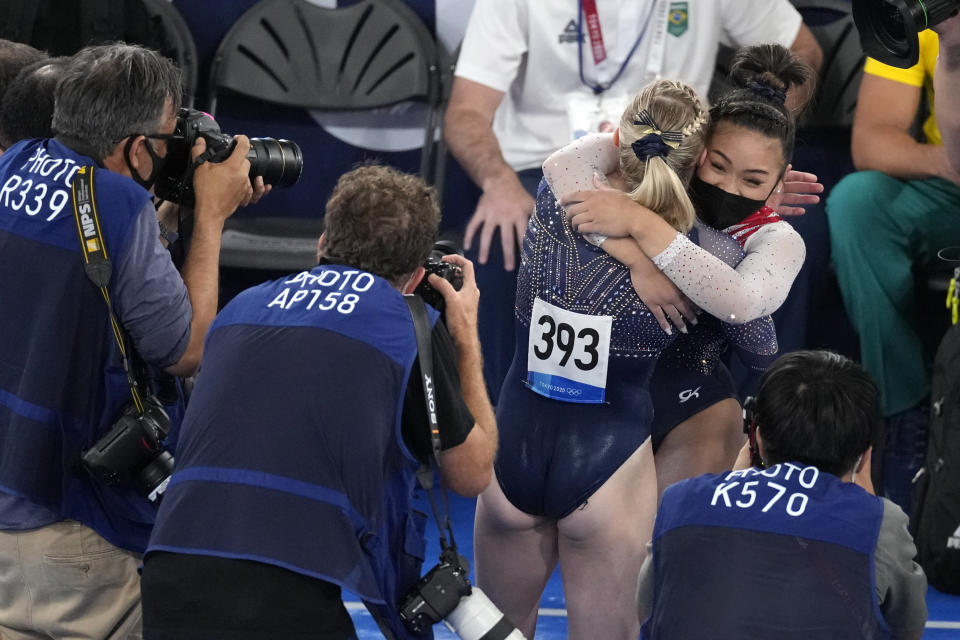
x=677, y=22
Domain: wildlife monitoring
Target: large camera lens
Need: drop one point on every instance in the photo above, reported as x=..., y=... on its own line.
x=888, y=28
x=278, y=161
x=477, y=618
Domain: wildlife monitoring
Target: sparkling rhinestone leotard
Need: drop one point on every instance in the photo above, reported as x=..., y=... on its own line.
x=689, y=375
x=553, y=455
x=739, y=275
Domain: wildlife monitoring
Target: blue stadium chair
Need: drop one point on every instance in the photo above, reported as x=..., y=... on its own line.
x=831, y=22
x=291, y=53
x=813, y=315
x=180, y=45
x=51, y=27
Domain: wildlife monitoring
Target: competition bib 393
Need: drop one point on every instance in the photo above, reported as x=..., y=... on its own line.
x=568, y=354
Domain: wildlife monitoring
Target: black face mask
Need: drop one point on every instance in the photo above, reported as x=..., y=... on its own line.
x=718, y=208
x=155, y=160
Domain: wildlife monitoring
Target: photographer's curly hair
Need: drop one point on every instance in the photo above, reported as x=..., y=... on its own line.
x=381, y=220
x=657, y=178
x=762, y=76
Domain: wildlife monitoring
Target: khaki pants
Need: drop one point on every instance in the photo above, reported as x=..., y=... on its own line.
x=65, y=581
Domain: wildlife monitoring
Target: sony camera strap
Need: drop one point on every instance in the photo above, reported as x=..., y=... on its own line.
x=97, y=265
x=421, y=325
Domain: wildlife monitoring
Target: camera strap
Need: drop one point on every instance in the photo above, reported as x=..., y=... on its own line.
x=97, y=265
x=421, y=325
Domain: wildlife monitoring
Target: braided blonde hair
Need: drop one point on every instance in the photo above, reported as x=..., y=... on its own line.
x=660, y=182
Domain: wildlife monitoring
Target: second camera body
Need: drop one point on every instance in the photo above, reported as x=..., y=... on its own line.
x=446, y=594
x=132, y=451
x=435, y=265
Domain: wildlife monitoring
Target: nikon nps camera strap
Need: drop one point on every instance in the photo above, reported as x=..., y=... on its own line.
x=97, y=265
x=421, y=325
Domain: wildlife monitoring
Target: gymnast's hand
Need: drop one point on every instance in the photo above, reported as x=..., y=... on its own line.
x=797, y=190
x=607, y=211
x=663, y=298
x=665, y=301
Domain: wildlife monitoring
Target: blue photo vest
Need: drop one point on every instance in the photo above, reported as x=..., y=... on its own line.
x=291, y=451
x=786, y=552
x=62, y=384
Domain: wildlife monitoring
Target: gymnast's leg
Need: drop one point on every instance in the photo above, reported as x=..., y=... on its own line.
x=602, y=545
x=706, y=442
x=515, y=554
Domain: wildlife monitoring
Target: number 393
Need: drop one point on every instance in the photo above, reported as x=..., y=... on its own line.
x=563, y=337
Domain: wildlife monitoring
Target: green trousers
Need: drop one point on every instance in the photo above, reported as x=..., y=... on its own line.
x=881, y=229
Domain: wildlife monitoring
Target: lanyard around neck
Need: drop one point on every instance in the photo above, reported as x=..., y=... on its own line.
x=600, y=87
x=99, y=268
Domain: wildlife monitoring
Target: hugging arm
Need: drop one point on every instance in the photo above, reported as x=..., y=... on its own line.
x=573, y=167
x=755, y=288
x=758, y=285
x=579, y=166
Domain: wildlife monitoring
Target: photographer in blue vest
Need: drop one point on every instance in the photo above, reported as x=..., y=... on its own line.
x=70, y=540
x=796, y=546
x=298, y=457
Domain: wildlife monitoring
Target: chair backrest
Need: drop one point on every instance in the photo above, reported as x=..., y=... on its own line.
x=835, y=102
x=63, y=27
x=371, y=54
x=290, y=52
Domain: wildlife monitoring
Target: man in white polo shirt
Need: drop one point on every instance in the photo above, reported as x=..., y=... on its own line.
x=534, y=74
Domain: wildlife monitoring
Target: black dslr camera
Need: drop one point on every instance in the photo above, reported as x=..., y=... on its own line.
x=435, y=265
x=132, y=451
x=888, y=28
x=436, y=595
x=278, y=161
x=445, y=594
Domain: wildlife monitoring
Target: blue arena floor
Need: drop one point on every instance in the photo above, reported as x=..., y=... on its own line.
x=944, y=610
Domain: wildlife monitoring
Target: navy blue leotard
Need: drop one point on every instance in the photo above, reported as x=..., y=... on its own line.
x=553, y=454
